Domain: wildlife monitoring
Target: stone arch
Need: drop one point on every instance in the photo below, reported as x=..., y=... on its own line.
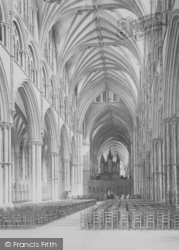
x=171, y=108
x=64, y=142
x=52, y=129
x=22, y=33
x=31, y=107
x=171, y=86
x=3, y=12
x=18, y=43
x=49, y=148
x=4, y=95
x=26, y=130
x=32, y=63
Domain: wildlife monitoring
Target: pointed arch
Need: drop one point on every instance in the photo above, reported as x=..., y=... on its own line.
x=171, y=76
x=4, y=95
x=51, y=127
x=3, y=12
x=64, y=143
x=20, y=25
x=32, y=110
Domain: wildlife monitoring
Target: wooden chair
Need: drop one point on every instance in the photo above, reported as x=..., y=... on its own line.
x=8, y=220
x=159, y=218
x=137, y=220
x=124, y=220
x=165, y=220
x=150, y=222
x=176, y=221
x=98, y=220
x=108, y=220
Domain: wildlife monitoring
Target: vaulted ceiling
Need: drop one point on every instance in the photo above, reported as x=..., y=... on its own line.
x=98, y=58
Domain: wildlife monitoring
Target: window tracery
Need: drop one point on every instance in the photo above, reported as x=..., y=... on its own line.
x=18, y=49
x=31, y=63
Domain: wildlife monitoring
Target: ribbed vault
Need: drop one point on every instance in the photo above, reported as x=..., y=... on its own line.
x=97, y=58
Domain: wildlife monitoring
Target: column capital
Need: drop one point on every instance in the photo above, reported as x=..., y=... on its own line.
x=54, y=154
x=79, y=132
x=86, y=143
x=75, y=165
x=157, y=139
x=6, y=125
x=33, y=142
x=5, y=163
x=173, y=119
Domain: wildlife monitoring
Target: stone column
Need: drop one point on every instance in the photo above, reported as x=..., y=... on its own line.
x=1, y=163
x=60, y=181
x=164, y=163
x=177, y=166
x=160, y=169
x=35, y=178
x=56, y=176
x=5, y=170
x=168, y=161
x=80, y=160
x=136, y=181
x=153, y=170
x=39, y=171
x=75, y=179
x=67, y=173
x=17, y=157
x=52, y=174
x=174, y=161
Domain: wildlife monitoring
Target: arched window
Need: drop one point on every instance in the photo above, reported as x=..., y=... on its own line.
x=31, y=63
x=18, y=49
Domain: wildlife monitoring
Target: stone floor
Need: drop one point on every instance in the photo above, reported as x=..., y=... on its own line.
x=68, y=228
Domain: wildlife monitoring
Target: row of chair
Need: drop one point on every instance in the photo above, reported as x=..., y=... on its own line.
x=26, y=216
x=158, y=220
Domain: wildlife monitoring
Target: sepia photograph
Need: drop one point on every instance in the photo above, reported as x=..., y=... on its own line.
x=89, y=124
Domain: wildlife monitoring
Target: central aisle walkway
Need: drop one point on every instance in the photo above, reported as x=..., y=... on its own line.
x=74, y=238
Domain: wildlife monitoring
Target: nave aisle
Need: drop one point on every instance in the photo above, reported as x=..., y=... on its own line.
x=68, y=228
